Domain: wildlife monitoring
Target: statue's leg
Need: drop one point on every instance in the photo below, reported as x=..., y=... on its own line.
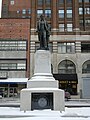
x=45, y=41
x=40, y=40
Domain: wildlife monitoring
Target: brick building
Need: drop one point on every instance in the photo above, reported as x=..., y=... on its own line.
x=69, y=41
x=14, y=53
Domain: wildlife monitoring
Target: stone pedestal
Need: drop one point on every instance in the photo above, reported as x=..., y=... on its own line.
x=42, y=89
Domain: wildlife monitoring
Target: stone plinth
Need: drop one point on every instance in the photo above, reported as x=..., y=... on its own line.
x=42, y=89
x=42, y=77
x=58, y=98
x=42, y=62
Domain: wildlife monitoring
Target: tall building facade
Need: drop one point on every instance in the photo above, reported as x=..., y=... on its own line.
x=69, y=41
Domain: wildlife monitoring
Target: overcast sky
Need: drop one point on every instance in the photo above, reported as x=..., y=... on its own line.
x=0, y=7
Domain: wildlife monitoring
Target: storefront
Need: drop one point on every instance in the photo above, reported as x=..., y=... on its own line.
x=67, y=82
x=11, y=87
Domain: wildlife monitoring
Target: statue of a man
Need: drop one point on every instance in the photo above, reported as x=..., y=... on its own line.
x=43, y=30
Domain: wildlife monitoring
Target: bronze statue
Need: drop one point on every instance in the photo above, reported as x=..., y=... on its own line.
x=43, y=30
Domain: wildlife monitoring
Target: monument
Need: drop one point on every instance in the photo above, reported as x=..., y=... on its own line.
x=42, y=89
x=43, y=30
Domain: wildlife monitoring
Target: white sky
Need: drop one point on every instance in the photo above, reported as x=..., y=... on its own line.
x=0, y=7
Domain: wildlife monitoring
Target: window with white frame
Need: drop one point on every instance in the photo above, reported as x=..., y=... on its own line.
x=86, y=67
x=66, y=47
x=69, y=27
x=48, y=13
x=39, y=12
x=24, y=11
x=13, y=65
x=61, y=13
x=61, y=47
x=18, y=45
x=80, y=11
x=69, y=13
x=21, y=66
x=87, y=10
x=61, y=27
x=66, y=67
x=11, y=2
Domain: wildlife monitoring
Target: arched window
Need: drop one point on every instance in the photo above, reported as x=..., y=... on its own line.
x=66, y=67
x=86, y=67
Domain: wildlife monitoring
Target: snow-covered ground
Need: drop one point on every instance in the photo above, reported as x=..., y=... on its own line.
x=10, y=113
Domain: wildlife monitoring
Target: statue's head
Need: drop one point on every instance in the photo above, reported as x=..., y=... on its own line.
x=42, y=17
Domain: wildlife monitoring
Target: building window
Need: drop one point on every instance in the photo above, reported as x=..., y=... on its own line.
x=13, y=45
x=61, y=27
x=87, y=22
x=39, y=12
x=18, y=11
x=69, y=27
x=69, y=13
x=48, y=13
x=29, y=11
x=81, y=22
x=24, y=11
x=21, y=66
x=61, y=13
x=86, y=67
x=11, y=2
x=85, y=47
x=40, y=2
x=86, y=0
x=69, y=1
x=12, y=64
x=61, y=2
x=87, y=10
x=80, y=1
x=66, y=47
x=80, y=11
x=66, y=67
x=48, y=2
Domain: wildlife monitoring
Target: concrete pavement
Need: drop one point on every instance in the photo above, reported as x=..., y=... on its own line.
x=73, y=102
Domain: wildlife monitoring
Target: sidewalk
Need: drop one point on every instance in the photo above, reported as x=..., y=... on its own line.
x=73, y=102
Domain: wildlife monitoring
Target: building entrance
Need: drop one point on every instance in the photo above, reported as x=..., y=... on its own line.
x=69, y=86
x=67, y=82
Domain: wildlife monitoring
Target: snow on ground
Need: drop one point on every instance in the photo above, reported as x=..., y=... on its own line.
x=8, y=113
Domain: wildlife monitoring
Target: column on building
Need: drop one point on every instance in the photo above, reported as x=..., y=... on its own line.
x=54, y=59
x=54, y=16
x=75, y=15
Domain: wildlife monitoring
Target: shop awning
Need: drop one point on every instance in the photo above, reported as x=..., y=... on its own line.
x=69, y=77
x=14, y=81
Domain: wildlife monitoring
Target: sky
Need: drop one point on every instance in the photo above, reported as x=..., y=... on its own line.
x=0, y=7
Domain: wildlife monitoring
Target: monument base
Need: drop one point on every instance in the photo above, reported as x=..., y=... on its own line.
x=39, y=99
x=42, y=89
x=42, y=81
